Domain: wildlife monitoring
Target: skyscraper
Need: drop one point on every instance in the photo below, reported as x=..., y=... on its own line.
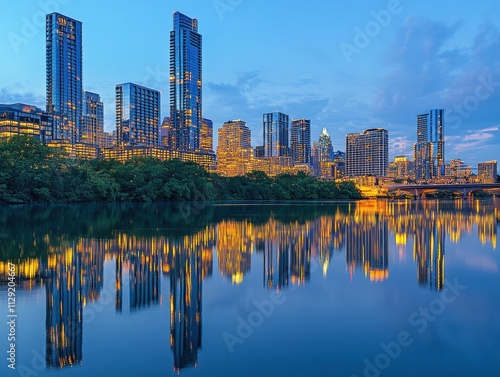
x=185, y=83
x=275, y=133
x=367, y=153
x=64, y=75
x=300, y=142
x=137, y=115
x=322, y=155
x=92, y=128
x=429, y=148
x=207, y=135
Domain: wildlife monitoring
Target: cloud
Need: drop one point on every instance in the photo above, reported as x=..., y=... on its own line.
x=473, y=139
x=10, y=96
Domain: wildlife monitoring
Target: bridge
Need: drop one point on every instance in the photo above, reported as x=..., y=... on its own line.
x=466, y=189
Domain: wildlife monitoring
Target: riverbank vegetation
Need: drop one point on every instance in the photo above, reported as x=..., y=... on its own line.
x=33, y=173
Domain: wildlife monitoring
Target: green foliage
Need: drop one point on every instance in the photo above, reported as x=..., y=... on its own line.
x=33, y=173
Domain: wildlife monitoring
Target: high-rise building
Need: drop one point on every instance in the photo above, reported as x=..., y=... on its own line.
x=21, y=119
x=92, y=127
x=207, y=135
x=322, y=155
x=64, y=75
x=185, y=83
x=429, y=148
x=275, y=127
x=367, y=153
x=487, y=171
x=401, y=168
x=234, y=151
x=137, y=115
x=300, y=142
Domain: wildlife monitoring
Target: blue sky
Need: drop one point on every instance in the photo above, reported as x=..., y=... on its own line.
x=347, y=66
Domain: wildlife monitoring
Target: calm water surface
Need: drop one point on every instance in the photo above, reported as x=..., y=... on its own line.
x=374, y=288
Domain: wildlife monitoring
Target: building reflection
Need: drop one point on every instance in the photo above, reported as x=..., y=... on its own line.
x=64, y=309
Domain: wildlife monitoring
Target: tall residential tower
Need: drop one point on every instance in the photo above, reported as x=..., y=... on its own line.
x=300, y=142
x=185, y=83
x=275, y=133
x=429, y=148
x=367, y=153
x=64, y=75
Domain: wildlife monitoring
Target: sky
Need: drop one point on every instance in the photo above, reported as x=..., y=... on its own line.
x=345, y=65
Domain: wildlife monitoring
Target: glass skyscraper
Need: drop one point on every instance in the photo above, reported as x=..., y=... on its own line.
x=137, y=115
x=92, y=127
x=185, y=83
x=300, y=143
x=64, y=75
x=275, y=129
x=429, y=148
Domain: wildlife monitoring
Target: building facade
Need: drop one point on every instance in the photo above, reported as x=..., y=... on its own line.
x=300, y=141
x=92, y=128
x=207, y=135
x=323, y=155
x=137, y=115
x=275, y=134
x=22, y=119
x=234, y=150
x=429, y=148
x=487, y=171
x=64, y=75
x=367, y=153
x=185, y=83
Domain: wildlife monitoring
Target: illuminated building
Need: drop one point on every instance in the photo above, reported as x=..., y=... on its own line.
x=234, y=152
x=206, y=135
x=429, y=148
x=487, y=171
x=300, y=141
x=401, y=168
x=76, y=150
x=137, y=115
x=322, y=155
x=185, y=83
x=166, y=134
x=275, y=134
x=457, y=169
x=92, y=127
x=272, y=166
x=206, y=160
x=64, y=323
x=367, y=153
x=64, y=75
x=108, y=139
x=21, y=119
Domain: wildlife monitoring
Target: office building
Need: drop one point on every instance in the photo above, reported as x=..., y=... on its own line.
x=275, y=134
x=21, y=119
x=367, y=153
x=137, y=115
x=300, y=141
x=234, y=152
x=92, y=128
x=429, y=148
x=322, y=155
x=487, y=171
x=185, y=83
x=64, y=75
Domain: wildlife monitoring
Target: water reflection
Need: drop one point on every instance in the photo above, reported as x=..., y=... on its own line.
x=65, y=248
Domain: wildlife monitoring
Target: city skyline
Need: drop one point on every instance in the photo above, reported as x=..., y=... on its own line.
x=458, y=65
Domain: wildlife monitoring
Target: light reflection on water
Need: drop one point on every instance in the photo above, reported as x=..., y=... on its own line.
x=289, y=288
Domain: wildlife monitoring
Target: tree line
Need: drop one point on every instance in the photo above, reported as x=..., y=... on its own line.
x=31, y=172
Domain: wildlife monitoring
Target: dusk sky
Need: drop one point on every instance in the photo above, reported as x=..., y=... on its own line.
x=347, y=66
